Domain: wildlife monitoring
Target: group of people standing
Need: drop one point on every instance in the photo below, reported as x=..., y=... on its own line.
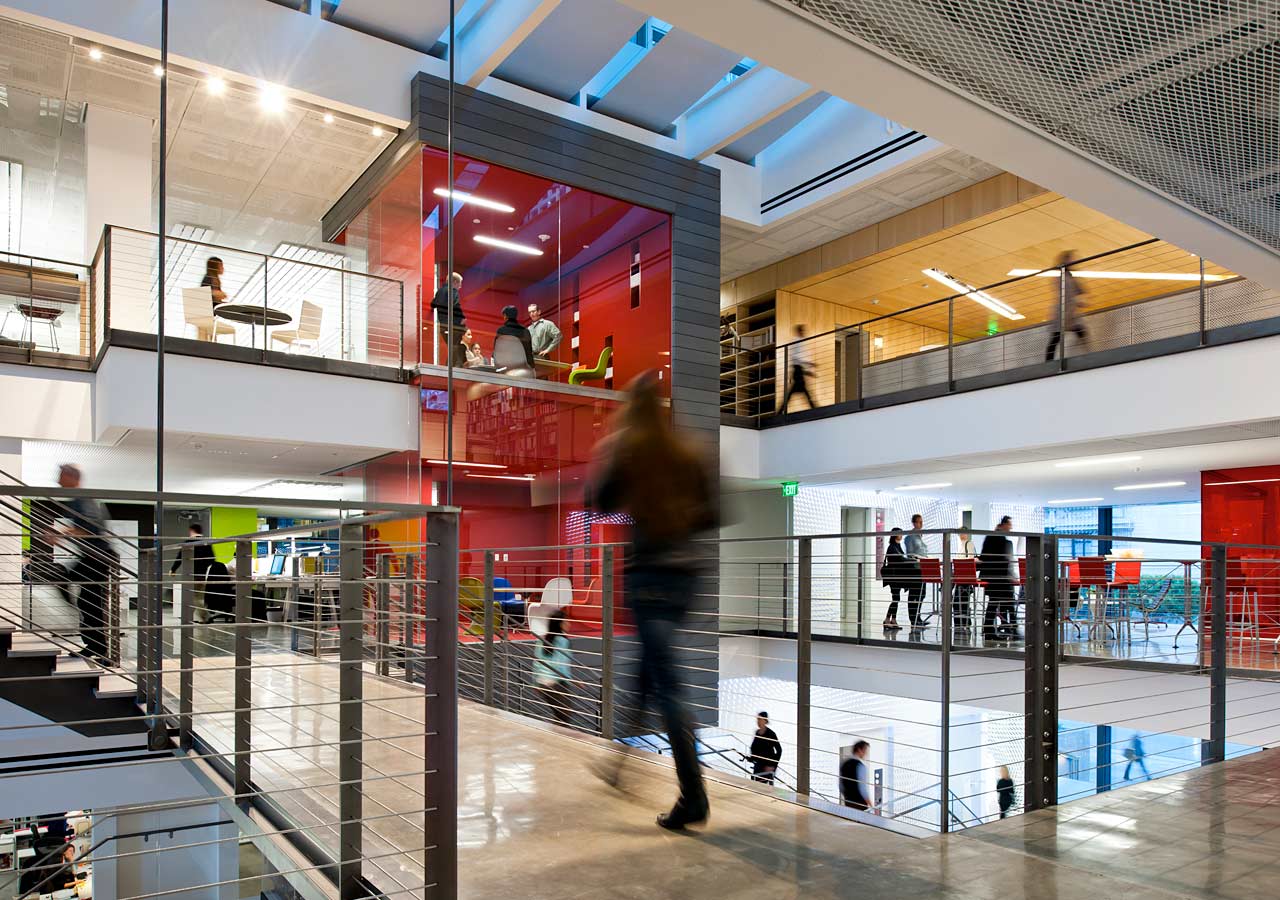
x=539, y=338
x=901, y=573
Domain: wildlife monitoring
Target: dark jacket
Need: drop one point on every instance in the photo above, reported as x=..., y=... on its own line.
x=1004, y=790
x=447, y=297
x=766, y=750
x=898, y=569
x=996, y=558
x=515, y=329
x=853, y=784
x=201, y=556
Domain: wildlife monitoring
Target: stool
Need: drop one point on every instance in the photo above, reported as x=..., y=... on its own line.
x=44, y=315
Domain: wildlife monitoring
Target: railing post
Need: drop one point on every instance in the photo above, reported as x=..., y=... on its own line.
x=401, y=336
x=862, y=592
x=186, y=653
x=382, y=610
x=944, y=719
x=266, y=266
x=606, y=643
x=804, y=662
x=1061, y=349
x=1217, y=749
x=142, y=633
x=243, y=691
x=1204, y=312
x=786, y=378
x=295, y=591
x=951, y=341
x=410, y=598
x=488, y=628
x=441, y=679
x=106, y=286
x=350, y=706
x=1041, y=750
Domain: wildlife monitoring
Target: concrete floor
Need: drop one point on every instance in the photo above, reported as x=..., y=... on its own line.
x=532, y=818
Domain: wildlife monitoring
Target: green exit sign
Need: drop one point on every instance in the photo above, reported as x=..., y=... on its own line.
x=790, y=488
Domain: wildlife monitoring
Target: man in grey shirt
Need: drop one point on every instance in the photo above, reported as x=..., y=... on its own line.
x=915, y=548
x=545, y=335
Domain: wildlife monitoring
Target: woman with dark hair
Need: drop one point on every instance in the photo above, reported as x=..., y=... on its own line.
x=213, y=270
x=898, y=572
x=551, y=668
x=662, y=564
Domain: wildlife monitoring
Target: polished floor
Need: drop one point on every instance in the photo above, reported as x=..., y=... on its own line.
x=532, y=814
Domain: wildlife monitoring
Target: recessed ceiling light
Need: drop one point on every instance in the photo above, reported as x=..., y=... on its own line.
x=921, y=487
x=507, y=245
x=157, y=71
x=95, y=53
x=1135, y=276
x=1074, y=500
x=1096, y=461
x=1149, y=484
x=270, y=98
x=475, y=221
x=215, y=85
x=328, y=118
x=463, y=197
x=376, y=131
x=511, y=228
x=996, y=306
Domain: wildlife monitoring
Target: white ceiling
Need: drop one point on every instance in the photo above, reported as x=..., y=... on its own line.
x=1031, y=477
x=194, y=463
x=744, y=249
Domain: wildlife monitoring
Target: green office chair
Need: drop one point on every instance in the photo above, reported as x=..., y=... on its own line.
x=578, y=376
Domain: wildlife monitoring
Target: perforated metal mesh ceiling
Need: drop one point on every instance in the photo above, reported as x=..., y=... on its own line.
x=1183, y=95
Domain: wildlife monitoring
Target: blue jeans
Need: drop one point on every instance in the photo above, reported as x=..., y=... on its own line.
x=659, y=601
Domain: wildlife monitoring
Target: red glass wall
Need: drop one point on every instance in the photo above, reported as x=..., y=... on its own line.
x=597, y=267
x=1243, y=506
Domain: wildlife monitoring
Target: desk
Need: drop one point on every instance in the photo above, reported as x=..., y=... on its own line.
x=253, y=315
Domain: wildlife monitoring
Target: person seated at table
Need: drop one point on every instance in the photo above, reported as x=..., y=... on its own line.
x=213, y=270
x=512, y=326
x=471, y=347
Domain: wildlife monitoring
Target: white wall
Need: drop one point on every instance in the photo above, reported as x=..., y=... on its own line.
x=117, y=181
x=166, y=861
x=240, y=400
x=45, y=404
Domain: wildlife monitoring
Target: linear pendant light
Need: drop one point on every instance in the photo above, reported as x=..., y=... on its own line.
x=1135, y=276
x=1149, y=484
x=463, y=197
x=996, y=306
x=507, y=245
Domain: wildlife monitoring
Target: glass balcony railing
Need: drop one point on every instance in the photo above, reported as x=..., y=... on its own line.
x=46, y=314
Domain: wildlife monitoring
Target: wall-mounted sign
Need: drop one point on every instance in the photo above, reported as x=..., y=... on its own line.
x=790, y=488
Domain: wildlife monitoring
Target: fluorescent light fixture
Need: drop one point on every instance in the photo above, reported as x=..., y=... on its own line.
x=1134, y=276
x=328, y=118
x=95, y=53
x=215, y=85
x=524, y=478
x=463, y=197
x=295, y=489
x=157, y=71
x=1248, y=481
x=1096, y=461
x=996, y=306
x=507, y=245
x=376, y=131
x=270, y=98
x=921, y=487
x=465, y=464
x=1149, y=484
x=1073, y=500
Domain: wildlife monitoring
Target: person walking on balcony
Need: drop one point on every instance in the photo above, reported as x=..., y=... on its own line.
x=1005, y=792
x=447, y=306
x=1136, y=755
x=95, y=563
x=916, y=550
x=213, y=269
x=543, y=333
x=998, y=567
x=766, y=751
x=663, y=563
x=799, y=361
x=855, y=781
x=897, y=572
x=1071, y=307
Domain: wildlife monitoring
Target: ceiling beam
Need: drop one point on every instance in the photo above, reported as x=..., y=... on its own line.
x=496, y=34
x=741, y=107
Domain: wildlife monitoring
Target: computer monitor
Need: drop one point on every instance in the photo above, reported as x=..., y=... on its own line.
x=277, y=564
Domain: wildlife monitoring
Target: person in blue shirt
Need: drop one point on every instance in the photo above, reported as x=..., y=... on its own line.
x=552, y=664
x=915, y=548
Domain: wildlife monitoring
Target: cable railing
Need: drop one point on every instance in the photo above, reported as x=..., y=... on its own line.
x=300, y=301
x=302, y=673
x=1006, y=681
x=1144, y=299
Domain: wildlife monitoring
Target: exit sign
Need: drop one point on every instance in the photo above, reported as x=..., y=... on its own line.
x=790, y=488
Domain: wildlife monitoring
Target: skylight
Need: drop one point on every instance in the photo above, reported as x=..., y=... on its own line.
x=626, y=59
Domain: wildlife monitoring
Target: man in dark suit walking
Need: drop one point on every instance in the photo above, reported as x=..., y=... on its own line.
x=766, y=751
x=998, y=567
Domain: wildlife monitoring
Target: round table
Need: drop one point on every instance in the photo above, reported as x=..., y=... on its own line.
x=253, y=315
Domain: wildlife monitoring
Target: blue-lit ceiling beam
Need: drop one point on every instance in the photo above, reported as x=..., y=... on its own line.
x=739, y=108
x=495, y=35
